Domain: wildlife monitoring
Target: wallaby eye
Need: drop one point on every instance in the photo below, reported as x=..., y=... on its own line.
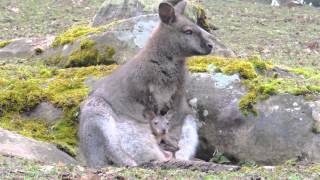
x=188, y=32
x=156, y=123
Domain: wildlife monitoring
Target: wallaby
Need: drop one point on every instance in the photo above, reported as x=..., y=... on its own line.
x=160, y=128
x=112, y=126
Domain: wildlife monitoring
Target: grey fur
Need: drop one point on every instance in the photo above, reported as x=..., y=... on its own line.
x=112, y=125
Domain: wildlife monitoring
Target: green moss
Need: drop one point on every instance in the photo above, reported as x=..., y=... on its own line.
x=253, y=74
x=36, y=129
x=20, y=95
x=228, y=66
x=55, y=60
x=73, y=34
x=4, y=43
x=202, y=20
x=246, y=104
x=85, y=56
x=303, y=71
x=259, y=64
x=88, y=55
x=23, y=87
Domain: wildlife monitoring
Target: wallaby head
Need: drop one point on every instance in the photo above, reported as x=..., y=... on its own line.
x=180, y=33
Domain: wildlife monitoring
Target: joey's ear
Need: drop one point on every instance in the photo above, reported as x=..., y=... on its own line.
x=149, y=115
x=180, y=7
x=169, y=115
x=166, y=13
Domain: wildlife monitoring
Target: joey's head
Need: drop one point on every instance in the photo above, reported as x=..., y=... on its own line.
x=160, y=124
x=180, y=33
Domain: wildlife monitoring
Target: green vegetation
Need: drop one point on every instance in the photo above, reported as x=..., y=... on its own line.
x=4, y=43
x=23, y=87
x=73, y=34
x=253, y=72
x=29, y=18
x=88, y=55
x=283, y=35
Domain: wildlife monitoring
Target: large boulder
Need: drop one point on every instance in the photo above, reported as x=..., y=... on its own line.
x=112, y=10
x=281, y=130
x=20, y=146
x=126, y=37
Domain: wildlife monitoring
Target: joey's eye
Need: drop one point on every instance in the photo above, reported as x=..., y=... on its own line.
x=155, y=123
x=188, y=32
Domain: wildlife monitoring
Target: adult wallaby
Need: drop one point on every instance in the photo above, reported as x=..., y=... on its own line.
x=112, y=125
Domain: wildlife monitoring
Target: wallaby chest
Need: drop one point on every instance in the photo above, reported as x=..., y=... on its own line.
x=162, y=96
x=170, y=76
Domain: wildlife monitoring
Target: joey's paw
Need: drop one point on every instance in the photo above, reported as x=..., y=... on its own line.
x=168, y=155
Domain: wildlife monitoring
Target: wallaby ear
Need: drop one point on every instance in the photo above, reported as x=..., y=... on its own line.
x=180, y=7
x=166, y=13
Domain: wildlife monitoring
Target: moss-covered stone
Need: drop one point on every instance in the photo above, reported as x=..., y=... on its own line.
x=254, y=78
x=4, y=43
x=88, y=55
x=73, y=34
x=23, y=87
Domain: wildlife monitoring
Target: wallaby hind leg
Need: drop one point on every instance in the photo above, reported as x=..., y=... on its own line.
x=99, y=136
x=103, y=145
x=92, y=147
x=113, y=147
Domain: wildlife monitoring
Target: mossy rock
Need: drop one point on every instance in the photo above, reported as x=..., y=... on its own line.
x=249, y=114
x=83, y=54
x=23, y=87
x=255, y=74
x=73, y=34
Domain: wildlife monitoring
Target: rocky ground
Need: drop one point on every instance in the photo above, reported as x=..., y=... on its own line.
x=17, y=168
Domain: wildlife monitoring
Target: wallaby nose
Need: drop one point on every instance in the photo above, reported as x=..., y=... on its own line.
x=210, y=46
x=163, y=131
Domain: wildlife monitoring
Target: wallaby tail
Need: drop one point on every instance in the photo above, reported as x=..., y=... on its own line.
x=190, y=165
